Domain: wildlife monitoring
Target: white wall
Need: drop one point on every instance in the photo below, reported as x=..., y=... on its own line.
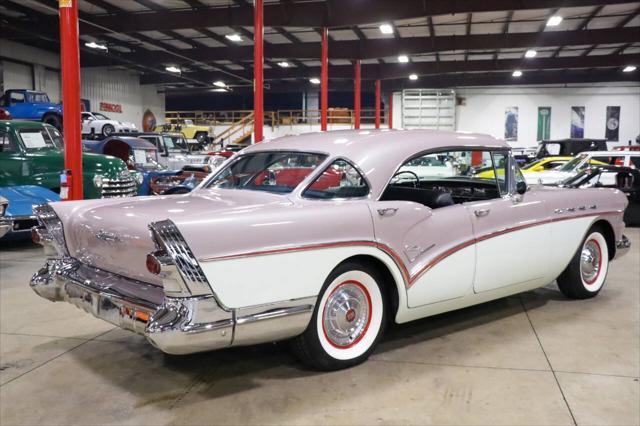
x=485, y=108
x=97, y=84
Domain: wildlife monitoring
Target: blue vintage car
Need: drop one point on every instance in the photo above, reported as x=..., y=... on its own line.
x=141, y=157
x=19, y=213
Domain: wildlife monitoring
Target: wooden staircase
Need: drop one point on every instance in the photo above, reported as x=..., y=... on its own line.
x=237, y=135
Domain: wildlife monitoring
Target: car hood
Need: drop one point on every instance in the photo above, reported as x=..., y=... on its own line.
x=114, y=234
x=22, y=198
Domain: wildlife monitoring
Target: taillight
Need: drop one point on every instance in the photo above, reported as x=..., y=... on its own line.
x=35, y=235
x=153, y=264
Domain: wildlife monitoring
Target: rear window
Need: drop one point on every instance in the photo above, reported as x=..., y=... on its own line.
x=269, y=171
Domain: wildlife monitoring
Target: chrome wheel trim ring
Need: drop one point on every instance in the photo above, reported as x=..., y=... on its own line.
x=346, y=315
x=590, y=261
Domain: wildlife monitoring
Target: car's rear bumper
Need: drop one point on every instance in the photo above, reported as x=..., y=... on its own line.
x=622, y=247
x=174, y=325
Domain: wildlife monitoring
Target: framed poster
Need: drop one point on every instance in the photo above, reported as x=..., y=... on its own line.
x=511, y=124
x=544, y=123
x=612, y=127
x=577, y=122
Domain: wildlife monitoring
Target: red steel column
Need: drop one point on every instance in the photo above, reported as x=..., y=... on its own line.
x=390, y=107
x=356, y=96
x=324, y=80
x=70, y=67
x=377, y=104
x=258, y=76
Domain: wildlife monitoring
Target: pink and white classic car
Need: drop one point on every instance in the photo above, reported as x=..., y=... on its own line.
x=323, y=239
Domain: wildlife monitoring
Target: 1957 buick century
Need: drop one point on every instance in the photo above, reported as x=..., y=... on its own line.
x=324, y=238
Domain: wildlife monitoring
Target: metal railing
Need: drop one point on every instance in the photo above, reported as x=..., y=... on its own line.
x=288, y=117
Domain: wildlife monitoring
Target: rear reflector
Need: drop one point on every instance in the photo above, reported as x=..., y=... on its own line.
x=153, y=264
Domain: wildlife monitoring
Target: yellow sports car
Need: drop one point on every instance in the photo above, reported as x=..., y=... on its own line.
x=541, y=165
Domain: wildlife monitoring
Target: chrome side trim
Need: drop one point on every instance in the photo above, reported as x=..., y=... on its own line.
x=622, y=247
x=280, y=320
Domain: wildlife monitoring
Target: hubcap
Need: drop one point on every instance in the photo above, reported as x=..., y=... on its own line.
x=590, y=261
x=346, y=314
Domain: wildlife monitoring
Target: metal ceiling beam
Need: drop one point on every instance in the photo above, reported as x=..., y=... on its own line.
x=400, y=71
x=307, y=14
x=379, y=48
x=449, y=81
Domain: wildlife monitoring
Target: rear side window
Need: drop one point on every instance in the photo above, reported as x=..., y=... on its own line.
x=339, y=180
x=16, y=97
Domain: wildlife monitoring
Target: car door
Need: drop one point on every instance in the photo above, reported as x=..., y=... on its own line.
x=18, y=106
x=433, y=244
x=12, y=160
x=511, y=231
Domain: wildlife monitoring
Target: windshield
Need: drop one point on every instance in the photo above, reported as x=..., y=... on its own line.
x=175, y=142
x=146, y=159
x=100, y=116
x=574, y=164
x=531, y=165
x=35, y=139
x=278, y=172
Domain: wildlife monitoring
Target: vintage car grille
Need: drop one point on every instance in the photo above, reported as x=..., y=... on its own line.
x=125, y=186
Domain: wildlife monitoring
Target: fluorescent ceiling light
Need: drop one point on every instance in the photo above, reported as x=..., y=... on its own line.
x=234, y=37
x=530, y=53
x=629, y=68
x=403, y=59
x=284, y=64
x=219, y=84
x=413, y=77
x=386, y=29
x=517, y=73
x=94, y=45
x=173, y=69
x=554, y=21
x=314, y=80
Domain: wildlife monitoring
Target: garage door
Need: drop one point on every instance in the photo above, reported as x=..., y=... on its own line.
x=17, y=76
x=428, y=109
x=52, y=85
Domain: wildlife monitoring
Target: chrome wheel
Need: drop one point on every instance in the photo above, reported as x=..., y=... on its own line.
x=347, y=314
x=590, y=261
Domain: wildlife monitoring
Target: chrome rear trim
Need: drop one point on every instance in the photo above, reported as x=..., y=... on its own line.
x=622, y=247
x=174, y=325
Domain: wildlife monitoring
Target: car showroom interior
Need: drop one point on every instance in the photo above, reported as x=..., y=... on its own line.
x=319, y=212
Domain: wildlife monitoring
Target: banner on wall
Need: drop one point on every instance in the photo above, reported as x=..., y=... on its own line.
x=544, y=123
x=612, y=128
x=577, y=122
x=511, y=124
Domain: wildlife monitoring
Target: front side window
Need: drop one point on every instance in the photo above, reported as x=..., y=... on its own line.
x=500, y=166
x=270, y=171
x=6, y=145
x=339, y=180
x=35, y=139
x=99, y=116
x=574, y=164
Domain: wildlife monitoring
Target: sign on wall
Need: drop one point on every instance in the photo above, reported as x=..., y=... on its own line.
x=511, y=124
x=612, y=127
x=577, y=122
x=148, y=121
x=544, y=123
x=108, y=107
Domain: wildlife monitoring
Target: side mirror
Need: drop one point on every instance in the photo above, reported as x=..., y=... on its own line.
x=521, y=187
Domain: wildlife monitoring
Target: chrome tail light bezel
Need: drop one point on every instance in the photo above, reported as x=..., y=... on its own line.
x=50, y=231
x=181, y=273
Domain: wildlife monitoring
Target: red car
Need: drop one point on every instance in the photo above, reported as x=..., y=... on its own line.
x=4, y=114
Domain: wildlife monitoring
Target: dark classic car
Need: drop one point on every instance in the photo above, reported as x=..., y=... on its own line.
x=625, y=179
x=571, y=146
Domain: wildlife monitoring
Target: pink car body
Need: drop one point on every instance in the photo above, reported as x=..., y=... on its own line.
x=242, y=267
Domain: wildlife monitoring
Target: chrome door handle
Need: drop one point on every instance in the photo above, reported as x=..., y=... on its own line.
x=389, y=211
x=481, y=212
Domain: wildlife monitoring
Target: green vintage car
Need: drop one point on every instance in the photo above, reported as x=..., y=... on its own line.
x=31, y=153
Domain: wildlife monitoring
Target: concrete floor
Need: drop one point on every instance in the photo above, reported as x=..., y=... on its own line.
x=530, y=359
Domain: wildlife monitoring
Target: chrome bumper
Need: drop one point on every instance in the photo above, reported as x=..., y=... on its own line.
x=622, y=247
x=175, y=325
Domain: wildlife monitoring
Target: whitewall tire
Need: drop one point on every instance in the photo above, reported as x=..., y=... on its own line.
x=585, y=275
x=348, y=320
